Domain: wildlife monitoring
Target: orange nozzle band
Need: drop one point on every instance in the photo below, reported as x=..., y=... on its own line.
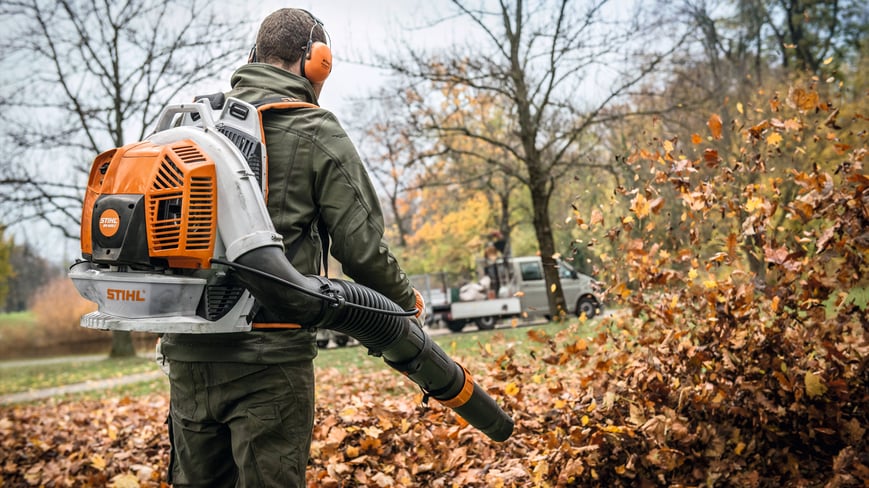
x=464, y=395
x=420, y=303
x=275, y=326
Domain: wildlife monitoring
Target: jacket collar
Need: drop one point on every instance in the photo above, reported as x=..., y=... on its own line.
x=274, y=80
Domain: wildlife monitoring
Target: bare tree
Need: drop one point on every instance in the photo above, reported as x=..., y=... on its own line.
x=541, y=60
x=390, y=148
x=81, y=77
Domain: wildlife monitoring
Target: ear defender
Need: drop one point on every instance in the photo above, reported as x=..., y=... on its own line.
x=317, y=62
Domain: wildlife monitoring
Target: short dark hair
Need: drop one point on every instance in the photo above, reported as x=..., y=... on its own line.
x=283, y=35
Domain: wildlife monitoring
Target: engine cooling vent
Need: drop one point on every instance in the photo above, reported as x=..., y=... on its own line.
x=164, y=213
x=249, y=148
x=189, y=154
x=200, y=217
x=219, y=299
x=182, y=208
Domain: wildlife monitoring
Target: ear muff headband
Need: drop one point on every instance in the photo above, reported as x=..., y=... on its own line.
x=317, y=60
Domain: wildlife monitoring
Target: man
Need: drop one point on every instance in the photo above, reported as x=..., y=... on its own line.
x=242, y=405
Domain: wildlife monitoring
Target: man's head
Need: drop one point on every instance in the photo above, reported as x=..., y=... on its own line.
x=284, y=38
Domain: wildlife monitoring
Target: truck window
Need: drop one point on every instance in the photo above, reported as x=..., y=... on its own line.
x=565, y=271
x=531, y=271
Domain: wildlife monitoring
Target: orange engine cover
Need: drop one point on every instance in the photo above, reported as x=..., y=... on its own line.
x=177, y=187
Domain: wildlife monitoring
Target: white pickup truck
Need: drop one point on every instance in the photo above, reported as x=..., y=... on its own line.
x=519, y=290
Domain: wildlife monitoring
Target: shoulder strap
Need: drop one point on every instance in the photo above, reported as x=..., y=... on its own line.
x=284, y=103
x=216, y=100
x=281, y=103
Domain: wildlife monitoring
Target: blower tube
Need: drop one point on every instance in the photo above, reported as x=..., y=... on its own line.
x=378, y=324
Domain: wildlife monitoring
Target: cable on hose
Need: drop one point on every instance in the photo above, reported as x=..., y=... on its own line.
x=326, y=298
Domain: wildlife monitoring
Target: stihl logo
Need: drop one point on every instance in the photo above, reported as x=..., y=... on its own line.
x=125, y=295
x=110, y=221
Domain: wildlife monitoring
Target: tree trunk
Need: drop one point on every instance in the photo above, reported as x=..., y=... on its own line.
x=543, y=231
x=122, y=344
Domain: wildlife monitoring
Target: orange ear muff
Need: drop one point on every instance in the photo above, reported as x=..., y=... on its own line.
x=318, y=64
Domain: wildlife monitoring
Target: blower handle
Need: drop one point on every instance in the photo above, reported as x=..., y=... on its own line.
x=167, y=116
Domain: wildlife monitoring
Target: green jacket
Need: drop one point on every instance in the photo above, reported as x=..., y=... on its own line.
x=313, y=171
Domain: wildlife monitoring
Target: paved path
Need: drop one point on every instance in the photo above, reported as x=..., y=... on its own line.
x=17, y=363
x=28, y=396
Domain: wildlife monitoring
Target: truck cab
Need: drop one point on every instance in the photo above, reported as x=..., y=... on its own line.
x=579, y=289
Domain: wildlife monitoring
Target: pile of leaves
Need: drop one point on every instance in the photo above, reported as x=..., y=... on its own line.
x=118, y=442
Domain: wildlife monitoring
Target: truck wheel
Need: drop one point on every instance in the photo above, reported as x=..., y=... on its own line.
x=455, y=326
x=341, y=340
x=321, y=343
x=486, y=323
x=588, y=306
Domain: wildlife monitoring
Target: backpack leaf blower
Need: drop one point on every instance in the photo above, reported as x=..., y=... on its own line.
x=176, y=238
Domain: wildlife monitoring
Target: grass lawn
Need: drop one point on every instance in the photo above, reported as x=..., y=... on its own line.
x=35, y=376
x=17, y=319
x=32, y=376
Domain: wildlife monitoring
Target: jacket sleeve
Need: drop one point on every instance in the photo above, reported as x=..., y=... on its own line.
x=351, y=211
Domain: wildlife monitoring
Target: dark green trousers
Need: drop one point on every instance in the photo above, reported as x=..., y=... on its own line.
x=240, y=425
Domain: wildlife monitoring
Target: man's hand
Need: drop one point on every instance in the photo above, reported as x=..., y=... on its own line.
x=420, y=308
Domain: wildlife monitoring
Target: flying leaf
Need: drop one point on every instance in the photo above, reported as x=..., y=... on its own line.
x=774, y=139
x=640, y=206
x=715, y=126
x=758, y=129
x=803, y=100
x=710, y=156
x=596, y=217
x=777, y=256
x=793, y=124
x=753, y=204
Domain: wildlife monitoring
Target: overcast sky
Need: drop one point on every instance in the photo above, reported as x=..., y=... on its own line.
x=356, y=29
